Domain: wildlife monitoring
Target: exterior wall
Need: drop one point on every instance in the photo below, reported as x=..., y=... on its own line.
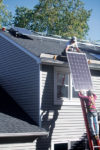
x=64, y=122
x=26, y=145
x=18, y=146
x=96, y=86
x=19, y=76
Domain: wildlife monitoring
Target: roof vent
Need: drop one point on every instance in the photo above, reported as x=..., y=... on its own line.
x=3, y=29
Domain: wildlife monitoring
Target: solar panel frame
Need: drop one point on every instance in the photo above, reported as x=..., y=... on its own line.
x=80, y=71
x=22, y=31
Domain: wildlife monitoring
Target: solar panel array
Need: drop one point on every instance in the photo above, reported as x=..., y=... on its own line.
x=22, y=31
x=80, y=71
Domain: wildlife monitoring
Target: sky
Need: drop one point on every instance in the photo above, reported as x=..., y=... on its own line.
x=94, y=21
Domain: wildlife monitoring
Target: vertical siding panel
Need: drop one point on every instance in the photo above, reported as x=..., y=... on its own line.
x=19, y=76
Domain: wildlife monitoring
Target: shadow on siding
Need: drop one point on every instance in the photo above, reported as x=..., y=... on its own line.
x=49, y=110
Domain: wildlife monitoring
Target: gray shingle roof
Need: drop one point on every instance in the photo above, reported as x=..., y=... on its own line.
x=42, y=44
x=14, y=120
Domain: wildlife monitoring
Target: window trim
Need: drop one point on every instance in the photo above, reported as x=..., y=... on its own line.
x=70, y=100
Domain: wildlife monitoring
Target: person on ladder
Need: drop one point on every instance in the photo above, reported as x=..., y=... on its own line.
x=71, y=45
x=91, y=112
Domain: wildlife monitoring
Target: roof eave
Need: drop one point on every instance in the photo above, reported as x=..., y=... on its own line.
x=36, y=134
x=94, y=64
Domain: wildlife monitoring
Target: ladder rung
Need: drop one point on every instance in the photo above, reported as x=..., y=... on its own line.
x=96, y=146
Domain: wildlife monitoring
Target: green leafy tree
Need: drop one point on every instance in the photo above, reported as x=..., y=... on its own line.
x=23, y=17
x=61, y=17
x=5, y=15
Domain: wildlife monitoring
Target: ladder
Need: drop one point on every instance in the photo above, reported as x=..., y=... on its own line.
x=91, y=145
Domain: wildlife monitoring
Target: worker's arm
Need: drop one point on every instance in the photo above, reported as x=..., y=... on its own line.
x=67, y=47
x=82, y=96
x=76, y=46
x=78, y=50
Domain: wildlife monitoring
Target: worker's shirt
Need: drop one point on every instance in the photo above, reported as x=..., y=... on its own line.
x=71, y=45
x=90, y=102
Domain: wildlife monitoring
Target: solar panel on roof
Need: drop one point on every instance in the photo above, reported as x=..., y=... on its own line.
x=22, y=31
x=80, y=71
x=96, y=55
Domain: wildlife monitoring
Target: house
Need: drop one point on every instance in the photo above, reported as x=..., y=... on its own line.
x=30, y=75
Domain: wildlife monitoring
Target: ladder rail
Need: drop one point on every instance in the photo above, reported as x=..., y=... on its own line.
x=87, y=125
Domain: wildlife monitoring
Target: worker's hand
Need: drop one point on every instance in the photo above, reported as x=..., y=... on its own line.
x=89, y=61
x=79, y=51
x=67, y=48
x=80, y=92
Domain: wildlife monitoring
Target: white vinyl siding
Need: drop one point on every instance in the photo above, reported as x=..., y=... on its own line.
x=19, y=146
x=65, y=123
x=96, y=89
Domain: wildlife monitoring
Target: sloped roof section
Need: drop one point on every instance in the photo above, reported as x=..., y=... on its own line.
x=38, y=44
x=14, y=121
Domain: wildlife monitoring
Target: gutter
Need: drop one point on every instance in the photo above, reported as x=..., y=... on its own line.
x=48, y=59
x=4, y=135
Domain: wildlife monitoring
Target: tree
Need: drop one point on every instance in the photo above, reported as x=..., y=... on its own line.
x=61, y=17
x=23, y=17
x=5, y=15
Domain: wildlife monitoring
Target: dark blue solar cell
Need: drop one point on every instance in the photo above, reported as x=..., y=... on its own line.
x=80, y=71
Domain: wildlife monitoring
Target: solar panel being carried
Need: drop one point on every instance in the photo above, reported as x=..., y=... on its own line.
x=80, y=71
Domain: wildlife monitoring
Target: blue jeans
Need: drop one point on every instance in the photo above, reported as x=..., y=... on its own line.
x=93, y=122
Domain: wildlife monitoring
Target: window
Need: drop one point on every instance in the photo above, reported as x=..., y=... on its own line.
x=61, y=146
x=63, y=85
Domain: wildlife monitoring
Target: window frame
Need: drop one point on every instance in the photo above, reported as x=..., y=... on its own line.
x=61, y=142
x=65, y=101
